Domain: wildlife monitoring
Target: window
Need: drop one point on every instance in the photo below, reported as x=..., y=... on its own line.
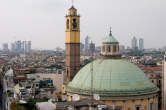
x=52, y=92
x=67, y=24
x=159, y=81
x=137, y=108
x=74, y=24
x=108, y=48
x=114, y=48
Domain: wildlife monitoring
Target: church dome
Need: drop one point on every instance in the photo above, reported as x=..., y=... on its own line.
x=110, y=39
x=111, y=77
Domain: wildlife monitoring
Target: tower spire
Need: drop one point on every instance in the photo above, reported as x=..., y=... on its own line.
x=72, y=1
x=110, y=31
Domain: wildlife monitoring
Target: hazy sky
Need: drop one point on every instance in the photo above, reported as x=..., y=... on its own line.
x=43, y=21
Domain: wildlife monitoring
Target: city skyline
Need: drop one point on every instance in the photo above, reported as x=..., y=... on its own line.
x=42, y=21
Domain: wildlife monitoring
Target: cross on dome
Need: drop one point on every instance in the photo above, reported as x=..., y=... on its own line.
x=110, y=31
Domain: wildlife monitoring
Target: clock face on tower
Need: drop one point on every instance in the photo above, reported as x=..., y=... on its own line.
x=74, y=24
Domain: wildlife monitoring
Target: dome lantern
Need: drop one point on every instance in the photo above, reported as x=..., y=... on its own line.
x=110, y=47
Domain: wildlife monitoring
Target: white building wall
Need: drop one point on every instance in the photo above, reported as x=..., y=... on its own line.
x=57, y=78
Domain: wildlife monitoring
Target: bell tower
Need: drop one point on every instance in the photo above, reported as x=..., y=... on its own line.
x=72, y=43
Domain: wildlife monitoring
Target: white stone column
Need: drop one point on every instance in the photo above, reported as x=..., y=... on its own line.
x=111, y=48
x=142, y=104
x=124, y=105
x=133, y=105
x=148, y=104
x=117, y=49
x=113, y=105
x=105, y=49
x=156, y=103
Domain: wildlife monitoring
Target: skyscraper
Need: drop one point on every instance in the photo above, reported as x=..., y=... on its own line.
x=134, y=43
x=92, y=47
x=21, y=46
x=86, y=42
x=81, y=47
x=5, y=47
x=141, y=44
x=18, y=46
x=28, y=46
x=13, y=47
x=72, y=43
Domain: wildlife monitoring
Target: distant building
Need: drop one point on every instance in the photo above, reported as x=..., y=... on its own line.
x=28, y=46
x=134, y=43
x=81, y=47
x=5, y=47
x=87, y=42
x=92, y=47
x=122, y=48
x=12, y=46
x=164, y=84
x=141, y=44
x=98, y=48
x=18, y=46
x=57, y=78
x=21, y=46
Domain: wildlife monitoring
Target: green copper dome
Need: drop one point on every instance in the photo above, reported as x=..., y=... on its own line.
x=110, y=39
x=111, y=77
